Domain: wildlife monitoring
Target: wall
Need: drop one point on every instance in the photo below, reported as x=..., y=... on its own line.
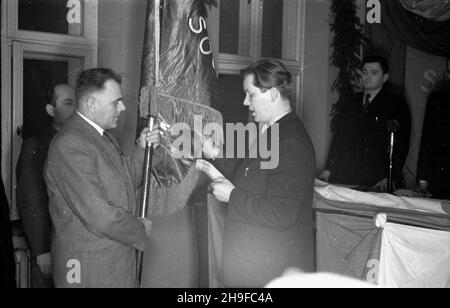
x=318, y=77
x=121, y=26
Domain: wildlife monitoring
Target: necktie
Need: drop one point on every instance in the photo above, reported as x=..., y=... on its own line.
x=366, y=103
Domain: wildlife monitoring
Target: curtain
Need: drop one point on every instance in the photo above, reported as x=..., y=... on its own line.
x=430, y=36
x=400, y=27
x=437, y=10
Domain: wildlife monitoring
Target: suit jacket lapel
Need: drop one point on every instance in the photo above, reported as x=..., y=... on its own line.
x=379, y=99
x=116, y=156
x=256, y=143
x=104, y=146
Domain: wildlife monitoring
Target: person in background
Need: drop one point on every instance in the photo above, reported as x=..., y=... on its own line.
x=91, y=186
x=31, y=192
x=7, y=263
x=269, y=225
x=359, y=149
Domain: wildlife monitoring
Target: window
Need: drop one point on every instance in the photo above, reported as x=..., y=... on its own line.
x=243, y=31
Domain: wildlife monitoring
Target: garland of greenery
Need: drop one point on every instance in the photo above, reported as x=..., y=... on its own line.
x=347, y=44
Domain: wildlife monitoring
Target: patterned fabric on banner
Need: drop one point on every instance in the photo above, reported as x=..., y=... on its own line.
x=414, y=257
x=216, y=226
x=348, y=245
x=179, y=86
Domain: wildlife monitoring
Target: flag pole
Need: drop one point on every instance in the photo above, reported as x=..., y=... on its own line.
x=149, y=147
x=145, y=194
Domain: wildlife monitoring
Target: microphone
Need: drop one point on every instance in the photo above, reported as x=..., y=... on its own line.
x=392, y=127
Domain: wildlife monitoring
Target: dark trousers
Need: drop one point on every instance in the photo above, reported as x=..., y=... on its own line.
x=39, y=280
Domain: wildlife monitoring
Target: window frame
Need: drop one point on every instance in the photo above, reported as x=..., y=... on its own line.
x=89, y=19
x=231, y=64
x=19, y=44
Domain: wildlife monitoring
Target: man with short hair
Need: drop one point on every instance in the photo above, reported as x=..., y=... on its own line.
x=359, y=149
x=269, y=222
x=32, y=198
x=91, y=185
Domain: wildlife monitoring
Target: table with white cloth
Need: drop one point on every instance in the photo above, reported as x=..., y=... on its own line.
x=379, y=238
x=383, y=239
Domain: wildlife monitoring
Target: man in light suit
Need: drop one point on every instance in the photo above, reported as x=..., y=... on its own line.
x=91, y=187
x=269, y=225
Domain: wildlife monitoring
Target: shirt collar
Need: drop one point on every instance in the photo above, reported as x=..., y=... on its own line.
x=275, y=120
x=373, y=95
x=93, y=124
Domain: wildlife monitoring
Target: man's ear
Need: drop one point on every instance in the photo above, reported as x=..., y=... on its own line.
x=274, y=94
x=50, y=110
x=386, y=77
x=91, y=103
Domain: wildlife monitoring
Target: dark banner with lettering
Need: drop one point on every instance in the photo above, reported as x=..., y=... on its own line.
x=179, y=84
x=179, y=87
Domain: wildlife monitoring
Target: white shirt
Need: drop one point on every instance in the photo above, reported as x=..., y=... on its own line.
x=94, y=125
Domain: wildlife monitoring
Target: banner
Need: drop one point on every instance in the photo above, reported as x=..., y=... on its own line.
x=217, y=212
x=348, y=245
x=414, y=257
x=388, y=246
x=437, y=10
x=179, y=85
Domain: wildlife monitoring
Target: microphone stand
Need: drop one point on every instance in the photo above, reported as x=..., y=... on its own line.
x=392, y=127
x=145, y=195
x=391, y=164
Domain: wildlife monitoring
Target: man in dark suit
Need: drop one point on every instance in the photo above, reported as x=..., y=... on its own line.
x=91, y=187
x=7, y=264
x=31, y=192
x=269, y=226
x=360, y=146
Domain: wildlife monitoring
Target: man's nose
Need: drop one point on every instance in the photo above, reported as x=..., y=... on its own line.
x=246, y=102
x=121, y=107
